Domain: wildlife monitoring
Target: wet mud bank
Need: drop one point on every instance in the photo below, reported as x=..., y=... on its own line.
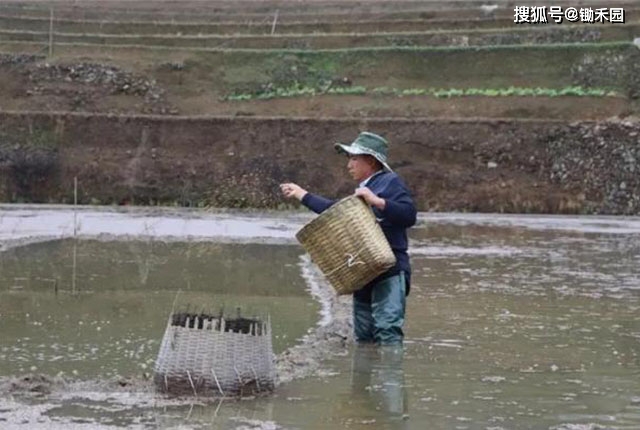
x=451, y=165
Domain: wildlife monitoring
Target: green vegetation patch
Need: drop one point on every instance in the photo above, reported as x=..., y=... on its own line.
x=300, y=90
x=545, y=66
x=611, y=66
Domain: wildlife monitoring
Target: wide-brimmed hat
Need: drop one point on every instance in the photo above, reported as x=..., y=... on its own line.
x=367, y=143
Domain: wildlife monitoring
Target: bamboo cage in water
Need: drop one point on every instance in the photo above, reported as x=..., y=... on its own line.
x=218, y=356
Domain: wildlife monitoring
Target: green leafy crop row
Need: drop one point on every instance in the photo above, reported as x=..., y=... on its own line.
x=298, y=90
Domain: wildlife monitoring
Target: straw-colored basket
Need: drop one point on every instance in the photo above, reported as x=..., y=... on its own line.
x=348, y=245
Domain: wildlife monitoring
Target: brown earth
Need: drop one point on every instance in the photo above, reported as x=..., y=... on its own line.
x=195, y=7
x=451, y=165
x=341, y=106
x=513, y=154
x=59, y=95
x=482, y=37
x=219, y=73
x=33, y=84
x=76, y=86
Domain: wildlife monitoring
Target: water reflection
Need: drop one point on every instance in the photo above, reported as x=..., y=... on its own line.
x=377, y=383
x=90, y=308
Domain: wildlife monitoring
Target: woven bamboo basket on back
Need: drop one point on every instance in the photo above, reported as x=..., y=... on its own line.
x=348, y=245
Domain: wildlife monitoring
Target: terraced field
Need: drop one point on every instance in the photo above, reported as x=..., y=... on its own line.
x=316, y=62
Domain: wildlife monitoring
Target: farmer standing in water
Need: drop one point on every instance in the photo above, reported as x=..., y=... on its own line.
x=379, y=307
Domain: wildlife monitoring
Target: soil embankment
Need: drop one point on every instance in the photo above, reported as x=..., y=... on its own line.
x=451, y=165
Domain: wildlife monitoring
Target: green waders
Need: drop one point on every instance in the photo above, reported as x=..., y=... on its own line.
x=379, y=316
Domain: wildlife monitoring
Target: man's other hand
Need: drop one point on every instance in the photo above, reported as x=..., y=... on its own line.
x=370, y=198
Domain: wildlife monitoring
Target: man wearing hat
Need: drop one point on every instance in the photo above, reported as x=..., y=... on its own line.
x=379, y=307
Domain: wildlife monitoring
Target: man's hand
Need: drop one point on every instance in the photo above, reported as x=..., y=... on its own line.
x=371, y=198
x=291, y=190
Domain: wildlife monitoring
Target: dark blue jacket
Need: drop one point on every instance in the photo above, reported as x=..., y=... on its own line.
x=398, y=215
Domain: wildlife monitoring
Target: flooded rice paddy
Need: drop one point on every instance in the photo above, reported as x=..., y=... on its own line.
x=105, y=315
x=512, y=322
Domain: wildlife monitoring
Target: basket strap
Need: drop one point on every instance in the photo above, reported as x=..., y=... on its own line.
x=350, y=262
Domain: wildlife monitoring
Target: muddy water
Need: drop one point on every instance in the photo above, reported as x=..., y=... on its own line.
x=99, y=309
x=512, y=322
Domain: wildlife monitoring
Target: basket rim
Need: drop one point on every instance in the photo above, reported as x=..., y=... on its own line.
x=337, y=206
